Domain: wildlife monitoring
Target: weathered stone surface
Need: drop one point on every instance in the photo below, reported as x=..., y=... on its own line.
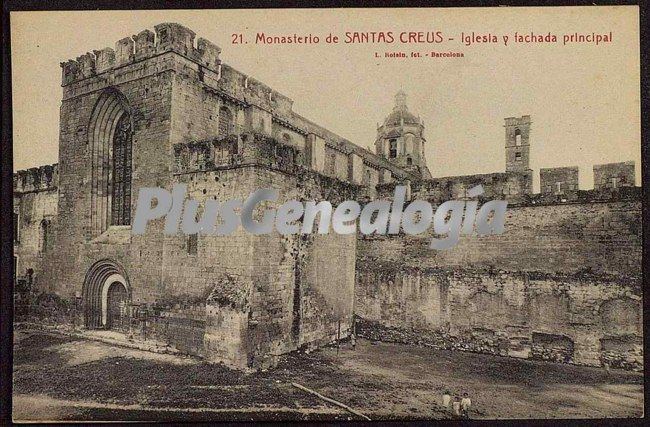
x=565, y=267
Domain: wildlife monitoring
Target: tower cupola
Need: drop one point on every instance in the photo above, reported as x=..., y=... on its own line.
x=400, y=139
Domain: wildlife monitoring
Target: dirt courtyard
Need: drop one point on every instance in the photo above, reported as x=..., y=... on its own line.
x=62, y=378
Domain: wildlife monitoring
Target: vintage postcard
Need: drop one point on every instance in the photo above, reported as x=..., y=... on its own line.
x=327, y=214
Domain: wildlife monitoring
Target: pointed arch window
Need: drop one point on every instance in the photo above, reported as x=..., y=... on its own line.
x=110, y=137
x=121, y=188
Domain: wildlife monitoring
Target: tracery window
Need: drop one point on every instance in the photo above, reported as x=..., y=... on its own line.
x=121, y=189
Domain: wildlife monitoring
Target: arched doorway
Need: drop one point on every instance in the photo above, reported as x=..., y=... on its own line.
x=116, y=300
x=106, y=293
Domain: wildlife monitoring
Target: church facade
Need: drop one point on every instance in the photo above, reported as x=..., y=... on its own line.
x=160, y=109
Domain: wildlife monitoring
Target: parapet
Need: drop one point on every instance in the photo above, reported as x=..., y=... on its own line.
x=604, y=195
x=516, y=187
x=614, y=175
x=42, y=178
x=236, y=150
x=511, y=186
x=513, y=121
x=168, y=37
x=558, y=180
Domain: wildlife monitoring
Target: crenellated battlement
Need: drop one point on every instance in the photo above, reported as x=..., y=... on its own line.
x=42, y=178
x=614, y=175
x=517, y=121
x=236, y=151
x=596, y=195
x=511, y=186
x=168, y=37
x=264, y=106
x=612, y=182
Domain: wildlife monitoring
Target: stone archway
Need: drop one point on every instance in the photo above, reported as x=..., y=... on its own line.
x=110, y=134
x=105, y=287
x=114, y=297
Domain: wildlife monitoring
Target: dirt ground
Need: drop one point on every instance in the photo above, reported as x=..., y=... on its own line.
x=63, y=378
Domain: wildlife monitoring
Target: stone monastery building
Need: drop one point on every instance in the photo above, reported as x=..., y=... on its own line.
x=563, y=283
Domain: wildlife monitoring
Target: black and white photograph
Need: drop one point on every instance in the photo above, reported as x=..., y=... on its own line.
x=345, y=214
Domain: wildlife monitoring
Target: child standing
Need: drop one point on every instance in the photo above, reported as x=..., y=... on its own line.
x=465, y=404
x=456, y=406
x=446, y=399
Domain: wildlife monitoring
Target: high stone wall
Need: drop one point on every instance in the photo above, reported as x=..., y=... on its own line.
x=269, y=293
x=248, y=286
x=35, y=209
x=601, y=237
x=549, y=280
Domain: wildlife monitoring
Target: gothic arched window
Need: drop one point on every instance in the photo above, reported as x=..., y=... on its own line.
x=225, y=121
x=109, y=137
x=409, y=160
x=121, y=188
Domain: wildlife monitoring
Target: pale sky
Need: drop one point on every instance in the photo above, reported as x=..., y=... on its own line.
x=583, y=99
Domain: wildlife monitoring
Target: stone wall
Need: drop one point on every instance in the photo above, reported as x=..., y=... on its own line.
x=563, y=283
x=512, y=186
x=260, y=297
x=268, y=294
x=542, y=289
x=556, y=318
x=572, y=237
x=614, y=175
x=558, y=180
x=147, y=89
x=35, y=209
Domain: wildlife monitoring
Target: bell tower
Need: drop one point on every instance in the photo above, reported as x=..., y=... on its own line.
x=517, y=144
x=400, y=139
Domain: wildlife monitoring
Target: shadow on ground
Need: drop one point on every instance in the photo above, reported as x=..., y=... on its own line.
x=63, y=378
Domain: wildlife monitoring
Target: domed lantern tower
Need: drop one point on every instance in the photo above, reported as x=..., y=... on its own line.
x=400, y=139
